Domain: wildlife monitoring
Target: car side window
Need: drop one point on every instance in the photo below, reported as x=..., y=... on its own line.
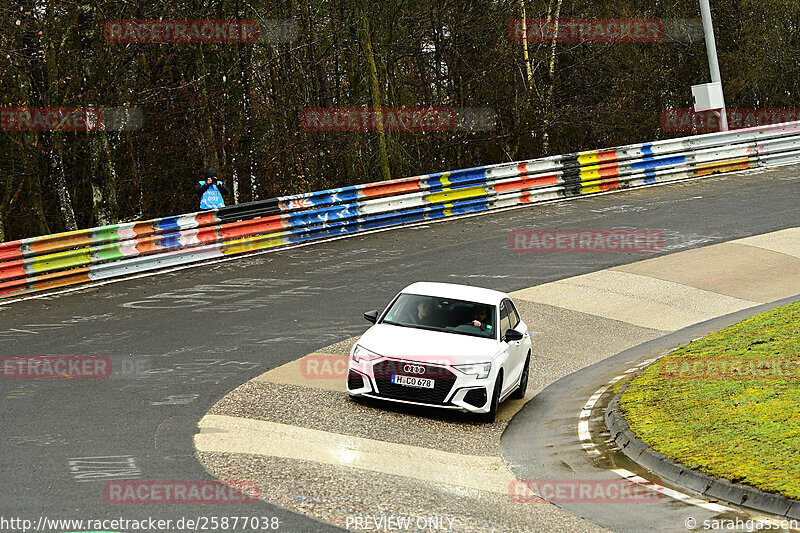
x=512, y=313
x=505, y=322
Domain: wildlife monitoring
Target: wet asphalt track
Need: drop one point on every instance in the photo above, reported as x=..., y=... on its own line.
x=180, y=341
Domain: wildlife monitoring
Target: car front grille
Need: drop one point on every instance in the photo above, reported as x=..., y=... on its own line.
x=443, y=380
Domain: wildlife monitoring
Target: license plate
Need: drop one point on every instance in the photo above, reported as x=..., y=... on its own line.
x=411, y=381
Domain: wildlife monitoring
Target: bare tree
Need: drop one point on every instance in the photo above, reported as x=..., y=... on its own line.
x=34, y=54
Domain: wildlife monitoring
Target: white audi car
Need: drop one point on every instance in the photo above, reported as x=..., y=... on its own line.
x=443, y=345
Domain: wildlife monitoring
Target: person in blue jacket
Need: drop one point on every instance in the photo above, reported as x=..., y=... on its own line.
x=211, y=191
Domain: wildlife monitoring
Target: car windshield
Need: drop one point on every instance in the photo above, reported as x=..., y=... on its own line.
x=442, y=314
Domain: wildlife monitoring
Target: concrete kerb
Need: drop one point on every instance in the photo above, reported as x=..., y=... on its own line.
x=694, y=480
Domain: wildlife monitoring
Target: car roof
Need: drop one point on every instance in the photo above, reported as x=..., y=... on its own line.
x=455, y=291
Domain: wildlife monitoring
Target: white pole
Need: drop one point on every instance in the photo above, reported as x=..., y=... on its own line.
x=713, y=64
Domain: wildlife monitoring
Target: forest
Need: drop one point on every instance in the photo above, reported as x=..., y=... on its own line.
x=327, y=93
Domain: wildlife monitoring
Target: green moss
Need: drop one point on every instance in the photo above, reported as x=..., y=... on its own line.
x=728, y=404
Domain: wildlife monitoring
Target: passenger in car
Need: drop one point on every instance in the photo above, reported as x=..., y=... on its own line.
x=425, y=313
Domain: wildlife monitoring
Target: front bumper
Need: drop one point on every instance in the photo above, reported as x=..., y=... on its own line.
x=452, y=389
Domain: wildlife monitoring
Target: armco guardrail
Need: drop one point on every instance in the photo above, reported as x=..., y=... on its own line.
x=52, y=261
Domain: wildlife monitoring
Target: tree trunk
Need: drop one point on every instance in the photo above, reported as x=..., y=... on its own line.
x=376, y=95
x=548, y=106
x=139, y=162
x=234, y=179
x=315, y=58
x=59, y=181
x=525, y=44
x=227, y=141
x=104, y=182
x=102, y=174
x=210, y=151
x=6, y=202
x=34, y=188
x=246, y=142
x=135, y=175
x=527, y=104
x=39, y=87
x=247, y=112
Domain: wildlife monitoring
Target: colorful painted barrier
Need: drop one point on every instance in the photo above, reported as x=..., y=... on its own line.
x=52, y=261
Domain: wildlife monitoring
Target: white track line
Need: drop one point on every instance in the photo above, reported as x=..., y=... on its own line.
x=585, y=437
x=583, y=425
x=368, y=232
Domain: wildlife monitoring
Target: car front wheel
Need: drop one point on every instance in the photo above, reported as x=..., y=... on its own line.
x=490, y=417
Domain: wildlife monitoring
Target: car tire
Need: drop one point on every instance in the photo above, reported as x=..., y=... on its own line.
x=491, y=416
x=520, y=392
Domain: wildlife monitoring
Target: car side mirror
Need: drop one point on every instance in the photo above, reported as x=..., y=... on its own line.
x=371, y=316
x=512, y=335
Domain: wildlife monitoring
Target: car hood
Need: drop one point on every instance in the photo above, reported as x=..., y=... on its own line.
x=421, y=344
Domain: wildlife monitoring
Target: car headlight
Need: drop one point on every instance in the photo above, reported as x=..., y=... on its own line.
x=362, y=354
x=480, y=370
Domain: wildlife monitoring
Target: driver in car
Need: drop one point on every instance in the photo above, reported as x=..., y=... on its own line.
x=480, y=317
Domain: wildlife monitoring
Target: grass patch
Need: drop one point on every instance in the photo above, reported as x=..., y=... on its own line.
x=728, y=404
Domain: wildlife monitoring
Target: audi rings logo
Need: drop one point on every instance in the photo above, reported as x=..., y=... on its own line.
x=414, y=369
